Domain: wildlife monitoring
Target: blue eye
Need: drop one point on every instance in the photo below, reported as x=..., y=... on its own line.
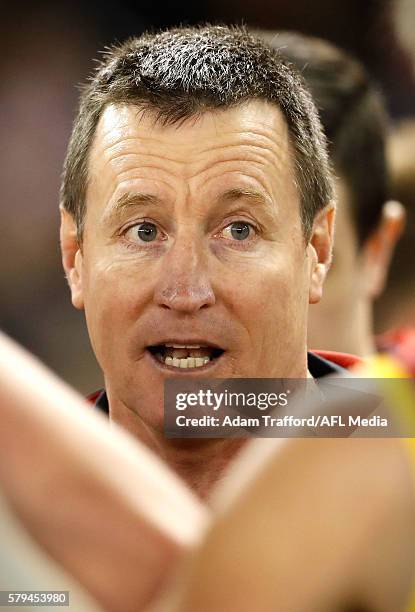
x=147, y=232
x=239, y=230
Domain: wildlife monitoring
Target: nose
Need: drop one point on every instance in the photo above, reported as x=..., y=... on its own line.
x=184, y=285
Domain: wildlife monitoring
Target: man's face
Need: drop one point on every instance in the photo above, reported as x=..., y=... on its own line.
x=192, y=238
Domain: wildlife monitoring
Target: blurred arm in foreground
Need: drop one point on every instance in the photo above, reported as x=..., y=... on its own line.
x=98, y=503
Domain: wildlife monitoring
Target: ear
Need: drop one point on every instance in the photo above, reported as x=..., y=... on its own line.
x=320, y=249
x=378, y=249
x=71, y=257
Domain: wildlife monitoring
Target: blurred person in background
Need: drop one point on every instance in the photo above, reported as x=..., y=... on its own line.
x=396, y=308
x=367, y=224
x=395, y=311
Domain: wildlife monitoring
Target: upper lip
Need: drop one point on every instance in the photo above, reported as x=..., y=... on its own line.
x=188, y=342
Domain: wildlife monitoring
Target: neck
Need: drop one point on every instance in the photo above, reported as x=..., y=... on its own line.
x=348, y=329
x=200, y=463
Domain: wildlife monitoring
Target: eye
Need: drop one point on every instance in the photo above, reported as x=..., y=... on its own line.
x=238, y=230
x=145, y=231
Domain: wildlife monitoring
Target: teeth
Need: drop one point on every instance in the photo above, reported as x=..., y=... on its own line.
x=188, y=362
x=182, y=346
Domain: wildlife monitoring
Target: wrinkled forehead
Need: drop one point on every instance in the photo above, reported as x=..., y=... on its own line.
x=251, y=138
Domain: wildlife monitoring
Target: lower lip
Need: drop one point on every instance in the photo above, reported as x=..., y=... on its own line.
x=184, y=371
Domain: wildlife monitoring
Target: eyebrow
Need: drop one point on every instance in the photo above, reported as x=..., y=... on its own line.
x=255, y=196
x=237, y=193
x=129, y=200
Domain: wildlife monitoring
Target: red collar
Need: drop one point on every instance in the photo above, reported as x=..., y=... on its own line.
x=344, y=360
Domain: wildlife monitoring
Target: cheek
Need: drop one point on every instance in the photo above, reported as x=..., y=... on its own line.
x=273, y=294
x=115, y=295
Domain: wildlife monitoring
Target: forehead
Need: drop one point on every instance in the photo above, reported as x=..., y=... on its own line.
x=250, y=140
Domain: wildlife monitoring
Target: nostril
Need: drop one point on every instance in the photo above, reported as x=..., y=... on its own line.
x=184, y=298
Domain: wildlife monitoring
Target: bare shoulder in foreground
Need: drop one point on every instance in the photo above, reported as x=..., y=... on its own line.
x=322, y=525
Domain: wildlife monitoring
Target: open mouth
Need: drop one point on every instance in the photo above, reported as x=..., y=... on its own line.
x=185, y=356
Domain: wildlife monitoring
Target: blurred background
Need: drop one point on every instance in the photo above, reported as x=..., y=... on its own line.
x=48, y=49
